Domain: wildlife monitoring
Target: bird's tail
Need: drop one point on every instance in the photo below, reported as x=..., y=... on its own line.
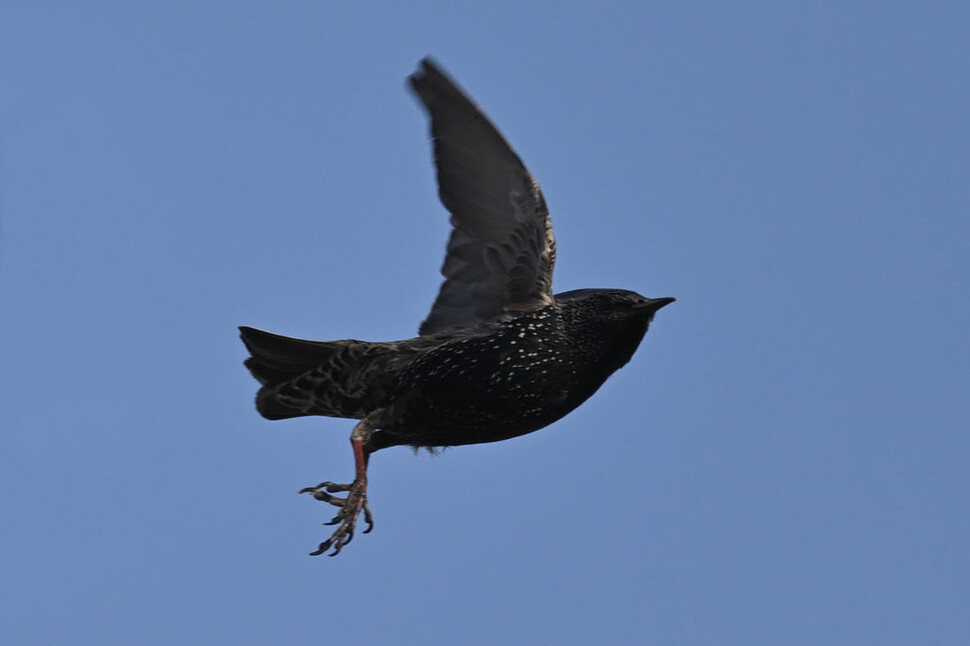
x=299, y=377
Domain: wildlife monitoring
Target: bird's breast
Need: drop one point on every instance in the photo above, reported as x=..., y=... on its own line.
x=489, y=387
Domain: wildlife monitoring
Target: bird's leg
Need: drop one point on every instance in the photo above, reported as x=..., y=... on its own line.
x=356, y=500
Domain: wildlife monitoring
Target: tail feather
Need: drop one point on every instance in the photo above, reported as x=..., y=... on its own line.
x=277, y=358
x=332, y=378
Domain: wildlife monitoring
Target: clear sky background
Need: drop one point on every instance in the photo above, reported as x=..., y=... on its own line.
x=785, y=460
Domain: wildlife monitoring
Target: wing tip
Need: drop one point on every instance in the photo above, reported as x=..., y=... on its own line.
x=430, y=82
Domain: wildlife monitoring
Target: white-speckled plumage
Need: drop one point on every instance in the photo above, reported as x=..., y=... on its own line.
x=497, y=356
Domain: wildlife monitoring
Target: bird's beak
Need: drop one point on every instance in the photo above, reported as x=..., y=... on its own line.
x=654, y=304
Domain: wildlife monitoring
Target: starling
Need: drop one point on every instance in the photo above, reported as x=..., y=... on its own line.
x=498, y=355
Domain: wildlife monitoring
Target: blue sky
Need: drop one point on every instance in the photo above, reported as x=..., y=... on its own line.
x=783, y=462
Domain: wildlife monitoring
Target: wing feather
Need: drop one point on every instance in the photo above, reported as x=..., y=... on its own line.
x=502, y=249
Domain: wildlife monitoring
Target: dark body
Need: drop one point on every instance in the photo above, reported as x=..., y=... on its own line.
x=517, y=377
x=497, y=356
x=501, y=379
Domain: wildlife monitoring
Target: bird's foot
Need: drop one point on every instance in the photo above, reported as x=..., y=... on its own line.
x=346, y=518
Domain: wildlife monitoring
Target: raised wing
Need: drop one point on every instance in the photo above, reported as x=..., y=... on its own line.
x=502, y=250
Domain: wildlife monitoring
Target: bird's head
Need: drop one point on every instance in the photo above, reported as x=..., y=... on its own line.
x=614, y=319
x=615, y=304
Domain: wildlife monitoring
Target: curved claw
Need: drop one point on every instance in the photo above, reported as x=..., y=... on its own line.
x=346, y=518
x=323, y=496
x=329, y=487
x=312, y=489
x=323, y=547
x=323, y=490
x=368, y=518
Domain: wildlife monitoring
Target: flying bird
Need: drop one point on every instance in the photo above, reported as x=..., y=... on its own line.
x=498, y=356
